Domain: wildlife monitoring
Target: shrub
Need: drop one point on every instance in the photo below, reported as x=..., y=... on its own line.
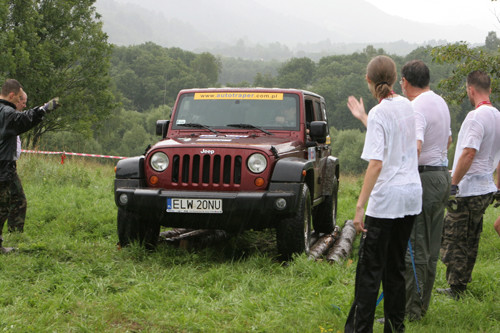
x=347, y=145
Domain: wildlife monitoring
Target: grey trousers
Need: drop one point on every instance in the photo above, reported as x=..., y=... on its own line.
x=425, y=241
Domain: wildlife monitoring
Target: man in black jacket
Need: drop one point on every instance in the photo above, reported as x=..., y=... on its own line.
x=13, y=123
x=18, y=203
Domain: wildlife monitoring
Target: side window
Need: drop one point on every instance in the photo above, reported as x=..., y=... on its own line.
x=309, y=112
x=323, y=111
x=324, y=117
x=317, y=111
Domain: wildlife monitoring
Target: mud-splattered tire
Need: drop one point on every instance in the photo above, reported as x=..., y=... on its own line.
x=134, y=228
x=293, y=234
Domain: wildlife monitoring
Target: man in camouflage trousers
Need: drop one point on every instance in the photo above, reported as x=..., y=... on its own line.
x=13, y=123
x=476, y=157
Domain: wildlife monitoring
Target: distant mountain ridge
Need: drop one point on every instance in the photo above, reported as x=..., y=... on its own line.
x=336, y=26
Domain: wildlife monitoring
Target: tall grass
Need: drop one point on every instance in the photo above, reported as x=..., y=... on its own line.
x=69, y=276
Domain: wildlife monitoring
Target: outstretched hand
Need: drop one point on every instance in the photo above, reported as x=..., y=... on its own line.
x=51, y=105
x=357, y=109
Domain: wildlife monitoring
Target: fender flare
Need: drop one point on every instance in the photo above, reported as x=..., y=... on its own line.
x=331, y=173
x=130, y=168
x=291, y=170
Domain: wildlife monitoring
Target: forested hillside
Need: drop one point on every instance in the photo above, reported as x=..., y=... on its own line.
x=112, y=95
x=146, y=79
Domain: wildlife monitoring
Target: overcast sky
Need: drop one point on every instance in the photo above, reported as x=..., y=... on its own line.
x=479, y=13
x=291, y=22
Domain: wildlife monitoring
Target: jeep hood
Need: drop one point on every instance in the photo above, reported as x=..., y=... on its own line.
x=231, y=141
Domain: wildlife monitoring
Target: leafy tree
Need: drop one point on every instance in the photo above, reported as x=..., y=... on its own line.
x=264, y=80
x=57, y=48
x=208, y=67
x=338, y=77
x=133, y=139
x=348, y=145
x=149, y=75
x=296, y=73
x=467, y=59
x=464, y=59
x=371, y=51
x=70, y=142
x=492, y=42
x=239, y=70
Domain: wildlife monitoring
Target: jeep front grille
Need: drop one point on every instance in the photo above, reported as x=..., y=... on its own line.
x=206, y=169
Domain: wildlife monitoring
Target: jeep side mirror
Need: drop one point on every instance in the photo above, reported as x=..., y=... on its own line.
x=162, y=127
x=318, y=131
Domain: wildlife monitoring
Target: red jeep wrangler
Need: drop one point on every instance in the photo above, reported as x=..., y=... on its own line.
x=234, y=159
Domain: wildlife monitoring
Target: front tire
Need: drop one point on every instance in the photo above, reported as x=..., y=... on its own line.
x=293, y=234
x=135, y=228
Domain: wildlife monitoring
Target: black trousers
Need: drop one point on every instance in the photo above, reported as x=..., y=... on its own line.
x=381, y=259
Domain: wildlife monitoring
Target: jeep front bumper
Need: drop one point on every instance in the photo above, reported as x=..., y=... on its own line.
x=239, y=210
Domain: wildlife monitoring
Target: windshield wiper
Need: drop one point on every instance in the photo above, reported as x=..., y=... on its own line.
x=196, y=125
x=249, y=126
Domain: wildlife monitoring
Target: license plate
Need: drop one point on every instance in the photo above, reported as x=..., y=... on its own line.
x=185, y=205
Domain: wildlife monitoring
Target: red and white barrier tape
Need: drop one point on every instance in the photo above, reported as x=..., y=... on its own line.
x=63, y=154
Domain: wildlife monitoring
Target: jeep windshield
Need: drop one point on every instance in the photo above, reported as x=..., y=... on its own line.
x=253, y=110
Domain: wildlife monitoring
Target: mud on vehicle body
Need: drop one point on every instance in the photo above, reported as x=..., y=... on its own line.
x=234, y=159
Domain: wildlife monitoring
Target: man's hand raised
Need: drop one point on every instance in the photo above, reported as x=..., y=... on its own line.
x=51, y=105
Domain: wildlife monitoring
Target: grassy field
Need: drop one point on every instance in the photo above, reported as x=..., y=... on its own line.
x=69, y=276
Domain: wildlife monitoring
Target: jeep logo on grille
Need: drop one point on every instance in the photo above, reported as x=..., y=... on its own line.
x=205, y=151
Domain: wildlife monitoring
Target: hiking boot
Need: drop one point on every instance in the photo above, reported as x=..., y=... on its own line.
x=454, y=292
x=5, y=250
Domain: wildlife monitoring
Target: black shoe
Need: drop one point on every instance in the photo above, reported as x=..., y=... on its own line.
x=5, y=250
x=452, y=292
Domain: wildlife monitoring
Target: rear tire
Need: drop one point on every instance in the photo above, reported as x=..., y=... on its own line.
x=293, y=234
x=135, y=228
x=325, y=214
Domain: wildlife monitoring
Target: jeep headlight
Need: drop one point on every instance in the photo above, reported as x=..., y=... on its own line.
x=257, y=163
x=159, y=161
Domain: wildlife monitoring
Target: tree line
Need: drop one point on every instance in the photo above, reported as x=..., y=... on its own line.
x=112, y=95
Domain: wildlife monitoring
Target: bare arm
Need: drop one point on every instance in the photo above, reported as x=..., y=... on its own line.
x=498, y=176
x=357, y=109
x=497, y=226
x=463, y=165
x=450, y=140
x=497, y=222
x=419, y=147
x=371, y=176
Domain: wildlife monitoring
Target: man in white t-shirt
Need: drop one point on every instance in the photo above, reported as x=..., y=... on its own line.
x=432, y=118
x=476, y=157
